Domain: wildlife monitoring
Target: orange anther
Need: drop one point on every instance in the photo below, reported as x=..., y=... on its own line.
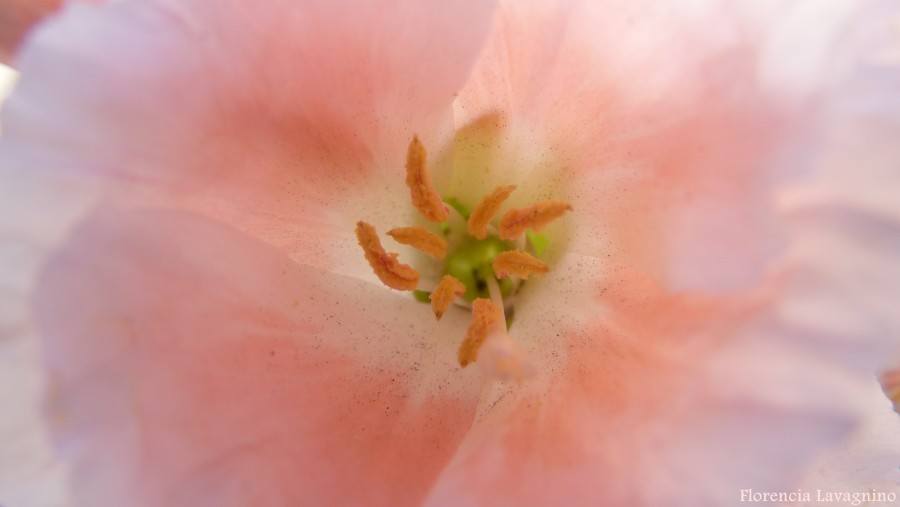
x=389, y=270
x=485, y=314
x=449, y=289
x=518, y=264
x=517, y=220
x=422, y=239
x=486, y=211
x=424, y=196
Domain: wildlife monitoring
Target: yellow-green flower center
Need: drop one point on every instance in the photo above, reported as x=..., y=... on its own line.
x=487, y=262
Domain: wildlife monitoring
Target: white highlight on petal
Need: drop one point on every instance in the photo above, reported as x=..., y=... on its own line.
x=810, y=29
x=8, y=77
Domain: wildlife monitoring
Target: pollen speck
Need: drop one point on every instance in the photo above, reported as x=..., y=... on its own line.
x=518, y=264
x=517, y=220
x=449, y=289
x=389, y=270
x=486, y=211
x=424, y=196
x=484, y=315
x=422, y=239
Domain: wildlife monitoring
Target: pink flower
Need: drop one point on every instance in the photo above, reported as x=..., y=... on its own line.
x=186, y=178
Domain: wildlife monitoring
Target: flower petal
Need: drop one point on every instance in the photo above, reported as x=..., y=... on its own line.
x=16, y=18
x=269, y=119
x=192, y=365
x=675, y=175
x=845, y=216
x=655, y=122
x=649, y=399
x=868, y=461
x=30, y=474
x=35, y=212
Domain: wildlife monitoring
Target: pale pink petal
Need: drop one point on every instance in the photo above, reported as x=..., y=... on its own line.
x=35, y=212
x=192, y=365
x=868, y=462
x=30, y=473
x=846, y=215
x=17, y=17
x=648, y=399
x=849, y=210
x=269, y=118
x=663, y=123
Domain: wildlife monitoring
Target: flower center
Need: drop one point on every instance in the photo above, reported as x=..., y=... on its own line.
x=487, y=265
x=472, y=264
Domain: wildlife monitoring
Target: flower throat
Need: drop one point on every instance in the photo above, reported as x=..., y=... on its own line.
x=485, y=267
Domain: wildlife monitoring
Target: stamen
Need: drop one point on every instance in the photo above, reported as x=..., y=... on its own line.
x=486, y=210
x=485, y=315
x=496, y=295
x=424, y=196
x=517, y=220
x=389, y=270
x=449, y=289
x=518, y=264
x=422, y=239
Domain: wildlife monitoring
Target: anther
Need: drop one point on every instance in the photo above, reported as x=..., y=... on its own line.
x=485, y=315
x=517, y=220
x=422, y=239
x=449, y=289
x=518, y=264
x=424, y=196
x=486, y=211
x=389, y=270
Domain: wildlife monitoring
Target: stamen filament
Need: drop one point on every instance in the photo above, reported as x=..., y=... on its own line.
x=496, y=297
x=521, y=243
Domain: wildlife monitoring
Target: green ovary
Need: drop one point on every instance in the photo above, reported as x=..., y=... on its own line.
x=471, y=262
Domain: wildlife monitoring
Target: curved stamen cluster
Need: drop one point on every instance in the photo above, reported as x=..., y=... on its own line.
x=473, y=265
